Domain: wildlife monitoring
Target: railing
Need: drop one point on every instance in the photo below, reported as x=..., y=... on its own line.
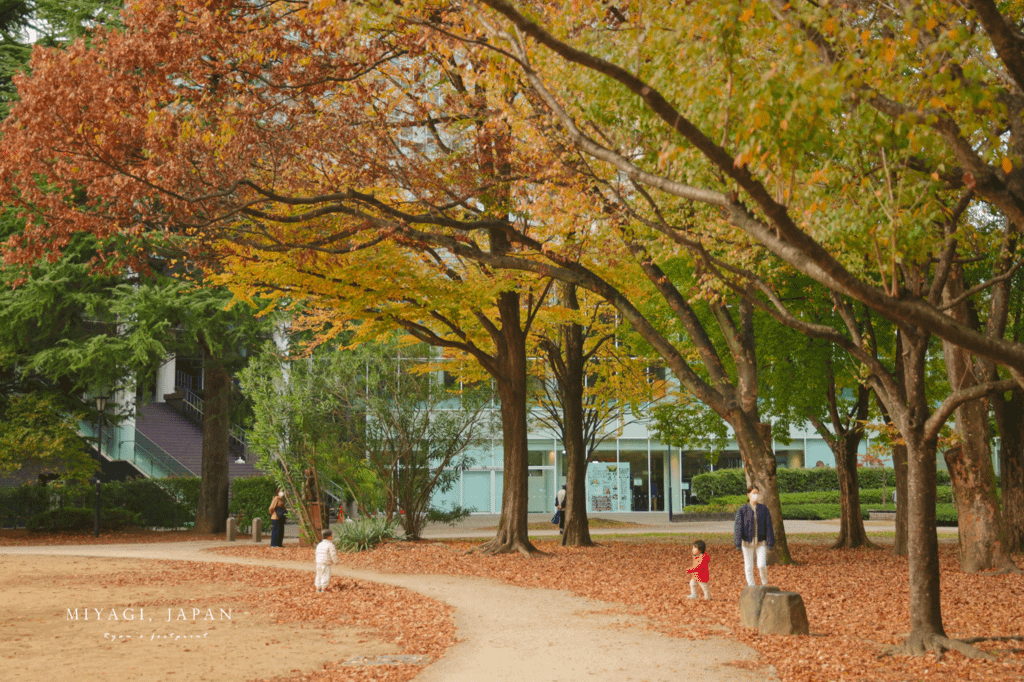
x=333, y=491
x=192, y=407
x=145, y=455
x=183, y=380
x=155, y=453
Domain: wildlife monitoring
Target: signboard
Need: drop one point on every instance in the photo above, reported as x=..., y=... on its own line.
x=608, y=487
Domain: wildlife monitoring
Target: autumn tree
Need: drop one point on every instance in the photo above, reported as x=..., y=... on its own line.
x=905, y=140
x=273, y=171
x=588, y=389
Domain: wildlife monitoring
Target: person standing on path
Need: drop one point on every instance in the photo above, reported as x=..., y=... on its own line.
x=699, y=570
x=560, y=504
x=278, y=511
x=753, y=535
x=326, y=554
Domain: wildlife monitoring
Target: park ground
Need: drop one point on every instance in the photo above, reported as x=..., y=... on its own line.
x=432, y=610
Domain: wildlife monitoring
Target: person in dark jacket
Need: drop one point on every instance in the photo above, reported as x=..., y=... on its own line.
x=753, y=535
x=278, y=511
x=560, y=507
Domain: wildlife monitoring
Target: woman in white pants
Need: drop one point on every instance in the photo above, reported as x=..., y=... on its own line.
x=753, y=535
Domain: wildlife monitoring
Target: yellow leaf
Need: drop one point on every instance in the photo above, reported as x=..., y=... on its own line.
x=930, y=24
x=747, y=15
x=1007, y=164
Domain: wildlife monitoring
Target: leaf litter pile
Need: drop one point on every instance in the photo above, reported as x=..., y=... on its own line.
x=420, y=626
x=856, y=600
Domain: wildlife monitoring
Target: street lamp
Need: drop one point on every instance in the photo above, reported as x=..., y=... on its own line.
x=96, y=523
x=101, y=406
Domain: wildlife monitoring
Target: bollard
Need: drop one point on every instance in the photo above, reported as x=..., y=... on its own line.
x=232, y=528
x=257, y=529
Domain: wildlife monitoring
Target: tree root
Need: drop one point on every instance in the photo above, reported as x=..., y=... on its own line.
x=502, y=546
x=1009, y=568
x=921, y=644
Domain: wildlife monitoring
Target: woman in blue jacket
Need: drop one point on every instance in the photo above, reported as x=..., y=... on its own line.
x=753, y=535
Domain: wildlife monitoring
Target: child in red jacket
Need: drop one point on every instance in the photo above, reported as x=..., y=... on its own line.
x=701, y=574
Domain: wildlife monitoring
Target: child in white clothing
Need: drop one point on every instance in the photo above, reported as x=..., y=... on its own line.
x=326, y=555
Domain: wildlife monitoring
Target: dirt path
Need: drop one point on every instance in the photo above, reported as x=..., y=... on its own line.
x=511, y=633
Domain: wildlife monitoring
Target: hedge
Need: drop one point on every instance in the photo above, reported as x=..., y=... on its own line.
x=251, y=498
x=819, y=479
x=872, y=497
x=945, y=512
x=80, y=518
x=158, y=503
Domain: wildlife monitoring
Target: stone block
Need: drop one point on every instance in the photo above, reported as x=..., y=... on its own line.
x=257, y=529
x=750, y=603
x=232, y=528
x=783, y=613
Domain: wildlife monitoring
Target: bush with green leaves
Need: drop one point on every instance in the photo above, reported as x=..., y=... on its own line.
x=184, y=489
x=80, y=518
x=156, y=506
x=18, y=505
x=363, y=534
x=725, y=482
x=159, y=503
x=706, y=487
x=251, y=497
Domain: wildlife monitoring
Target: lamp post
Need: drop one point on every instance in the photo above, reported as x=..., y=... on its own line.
x=101, y=406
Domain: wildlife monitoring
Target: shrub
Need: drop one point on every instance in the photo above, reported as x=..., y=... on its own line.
x=716, y=506
x=251, y=497
x=19, y=504
x=185, y=490
x=725, y=482
x=718, y=483
x=362, y=534
x=946, y=515
x=818, y=512
x=80, y=518
x=150, y=499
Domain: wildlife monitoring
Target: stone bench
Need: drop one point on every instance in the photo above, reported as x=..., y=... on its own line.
x=881, y=515
x=772, y=611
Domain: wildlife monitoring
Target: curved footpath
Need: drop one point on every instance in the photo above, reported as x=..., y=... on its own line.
x=507, y=632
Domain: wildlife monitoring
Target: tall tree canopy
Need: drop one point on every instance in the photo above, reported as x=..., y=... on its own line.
x=860, y=145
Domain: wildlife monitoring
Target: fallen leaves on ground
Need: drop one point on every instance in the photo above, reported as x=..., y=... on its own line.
x=419, y=625
x=856, y=600
x=127, y=536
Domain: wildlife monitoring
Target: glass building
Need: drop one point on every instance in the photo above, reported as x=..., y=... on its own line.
x=634, y=472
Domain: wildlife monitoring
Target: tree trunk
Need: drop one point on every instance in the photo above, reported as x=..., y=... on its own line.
x=513, y=534
x=844, y=446
x=577, y=526
x=759, y=466
x=212, y=513
x=851, y=523
x=1010, y=420
x=925, y=610
x=982, y=541
x=900, y=468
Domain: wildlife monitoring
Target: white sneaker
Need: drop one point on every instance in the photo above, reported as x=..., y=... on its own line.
x=692, y=596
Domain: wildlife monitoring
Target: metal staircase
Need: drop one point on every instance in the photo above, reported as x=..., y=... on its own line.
x=146, y=456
